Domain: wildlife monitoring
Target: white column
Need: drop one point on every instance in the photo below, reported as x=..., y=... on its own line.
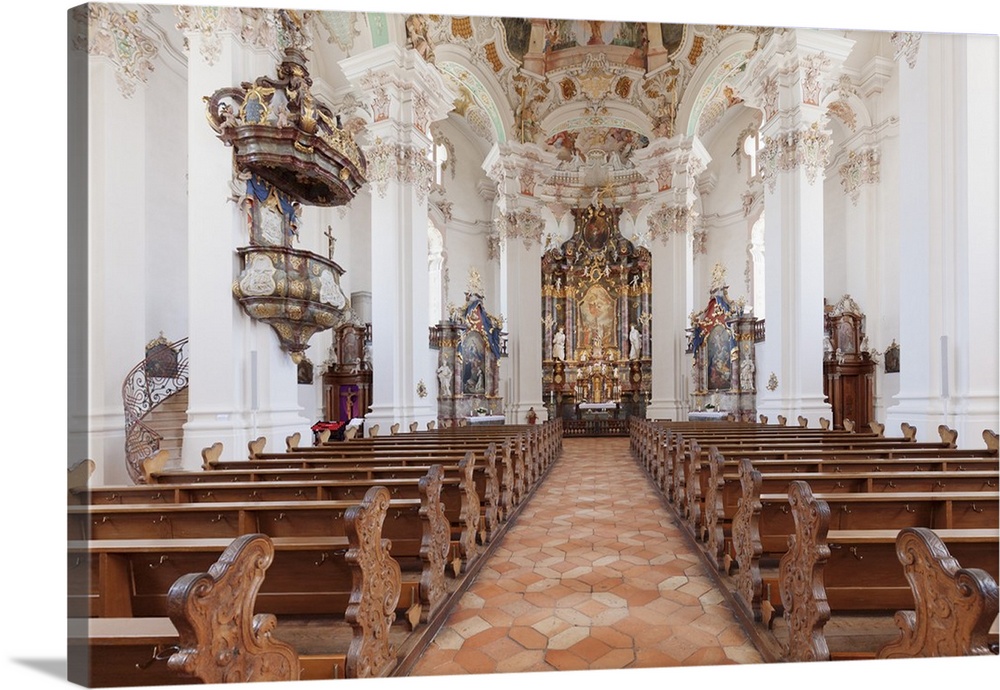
x=242, y=385
x=117, y=210
x=524, y=299
x=671, y=261
x=787, y=80
x=672, y=220
x=793, y=349
x=977, y=305
x=948, y=240
x=406, y=96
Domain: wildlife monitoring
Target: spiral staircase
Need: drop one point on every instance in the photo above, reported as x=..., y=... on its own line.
x=155, y=396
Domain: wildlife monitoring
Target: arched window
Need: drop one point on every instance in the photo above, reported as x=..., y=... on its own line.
x=751, y=145
x=438, y=156
x=435, y=263
x=757, y=259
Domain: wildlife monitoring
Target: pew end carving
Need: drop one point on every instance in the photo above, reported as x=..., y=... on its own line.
x=154, y=464
x=714, y=512
x=210, y=456
x=746, y=539
x=394, y=429
x=323, y=437
x=909, y=431
x=800, y=572
x=877, y=428
x=221, y=640
x=431, y=425
x=78, y=476
x=371, y=610
x=824, y=423
x=782, y=420
x=413, y=427
x=763, y=419
x=373, y=431
x=849, y=426
x=949, y=436
x=470, y=511
x=954, y=606
x=292, y=442
x=803, y=422
x=992, y=440
x=256, y=447
x=436, y=542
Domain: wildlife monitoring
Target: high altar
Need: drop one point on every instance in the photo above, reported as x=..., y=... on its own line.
x=596, y=309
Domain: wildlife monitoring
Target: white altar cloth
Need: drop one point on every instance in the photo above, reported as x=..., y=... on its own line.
x=598, y=406
x=707, y=416
x=486, y=419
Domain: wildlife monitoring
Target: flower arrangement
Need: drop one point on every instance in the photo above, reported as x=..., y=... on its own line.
x=480, y=411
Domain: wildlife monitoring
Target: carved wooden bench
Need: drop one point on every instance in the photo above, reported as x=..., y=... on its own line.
x=496, y=487
x=828, y=577
x=722, y=492
x=764, y=522
x=213, y=635
x=420, y=537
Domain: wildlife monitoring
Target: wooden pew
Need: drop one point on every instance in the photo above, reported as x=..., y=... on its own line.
x=212, y=617
x=419, y=531
x=764, y=522
x=719, y=490
x=453, y=496
x=830, y=577
x=690, y=483
x=496, y=498
x=936, y=577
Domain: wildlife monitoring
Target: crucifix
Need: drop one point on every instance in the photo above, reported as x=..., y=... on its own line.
x=331, y=241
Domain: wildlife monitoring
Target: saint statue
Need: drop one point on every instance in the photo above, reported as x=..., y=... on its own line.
x=444, y=380
x=635, y=343
x=747, y=375
x=559, y=345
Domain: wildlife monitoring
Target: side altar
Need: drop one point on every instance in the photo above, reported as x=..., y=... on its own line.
x=470, y=344
x=596, y=320
x=724, y=371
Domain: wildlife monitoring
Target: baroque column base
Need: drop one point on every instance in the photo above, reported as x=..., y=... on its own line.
x=792, y=408
x=387, y=415
x=517, y=413
x=672, y=410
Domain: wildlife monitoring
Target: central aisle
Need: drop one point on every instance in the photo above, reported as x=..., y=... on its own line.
x=593, y=575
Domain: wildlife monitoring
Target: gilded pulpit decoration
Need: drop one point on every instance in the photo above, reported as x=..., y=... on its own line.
x=281, y=132
x=288, y=149
x=296, y=292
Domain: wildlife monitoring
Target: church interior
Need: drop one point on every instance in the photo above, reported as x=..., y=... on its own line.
x=312, y=228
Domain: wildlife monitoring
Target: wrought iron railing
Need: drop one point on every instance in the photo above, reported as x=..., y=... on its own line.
x=161, y=374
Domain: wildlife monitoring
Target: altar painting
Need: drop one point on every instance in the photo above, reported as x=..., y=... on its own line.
x=719, y=350
x=472, y=352
x=597, y=317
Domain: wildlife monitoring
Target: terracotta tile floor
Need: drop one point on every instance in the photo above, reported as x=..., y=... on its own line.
x=593, y=575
